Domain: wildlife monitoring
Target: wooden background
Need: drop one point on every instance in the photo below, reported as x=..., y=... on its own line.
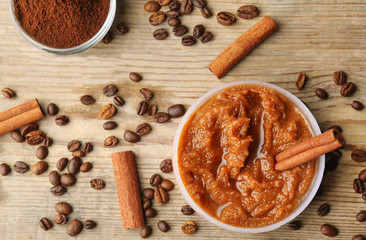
x=318, y=37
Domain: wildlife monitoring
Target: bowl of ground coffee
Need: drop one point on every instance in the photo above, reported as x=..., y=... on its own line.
x=63, y=26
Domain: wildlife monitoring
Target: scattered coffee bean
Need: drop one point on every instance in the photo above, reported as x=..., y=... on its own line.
x=357, y=105
x=187, y=210
x=361, y=216
x=28, y=128
x=321, y=93
x=163, y=226
x=86, y=167
x=362, y=175
x=167, y=184
x=89, y=224
x=54, y=178
x=188, y=40
x=142, y=108
x=60, y=219
x=146, y=94
x=339, y=77
x=206, y=12
x=160, y=34
x=173, y=21
x=4, y=169
x=147, y=204
x=17, y=136
x=87, y=147
x=87, y=100
x=52, y=109
x=67, y=179
x=143, y=129
x=198, y=30
x=206, y=37
x=63, y=208
x=323, y=209
x=329, y=230
x=336, y=127
x=107, y=111
x=363, y=195
x=173, y=13
x=358, y=155
x=73, y=145
x=62, y=163
x=110, y=90
x=135, y=77
x=73, y=167
x=300, y=81
x=78, y=153
x=160, y=196
x=20, y=167
x=357, y=185
x=166, y=166
x=148, y=193
x=358, y=237
x=61, y=120
x=39, y=167
x=45, y=223
x=35, y=137
x=295, y=225
x=8, y=93
x=145, y=232
x=150, y=213
x=248, y=12
x=336, y=154
x=152, y=6
x=161, y=117
x=42, y=152
x=189, y=227
x=74, y=227
x=180, y=30
x=58, y=190
x=348, y=89
x=121, y=29
x=176, y=110
x=157, y=18
x=199, y=3
x=225, y=18
x=331, y=165
x=97, y=184
x=118, y=101
x=164, y=2
x=107, y=39
x=155, y=180
x=186, y=7
x=152, y=109
x=174, y=5
x=47, y=142
x=110, y=141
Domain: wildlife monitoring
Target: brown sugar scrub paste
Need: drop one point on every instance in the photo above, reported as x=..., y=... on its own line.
x=226, y=156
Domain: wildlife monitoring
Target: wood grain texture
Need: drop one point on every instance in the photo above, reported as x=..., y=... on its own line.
x=317, y=37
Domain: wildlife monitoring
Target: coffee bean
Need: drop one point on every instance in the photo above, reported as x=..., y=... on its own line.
x=45, y=223
x=300, y=81
x=163, y=226
x=329, y=230
x=161, y=117
x=42, y=152
x=8, y=93
x=180, y=30
x=361, y=216
x=173, y=13
x=62, y=163
x=63, y=208
x=35, y=137
x=155, y=180
x=147, y=204
x=87, y=147
x=157, y=18
x=39, y=167
x=174, y=5
x=189, y=227
x=363, y=195
x=47, y=142
x=199, y=3
x=248, y=11
x=331, y=165
x=339, y=77
x=166, y=166
x=323, y=209
x=4, y=169
x=206, y=37
x=28, y=128
x=358, y=155
x=78, y=153
x=357, y=105
x=67, y=179
x=358, y=237
x=110, y=141
x=142, y=108
x=173, y=21
x=17, y=136
x=188, y=40
x=160, y=34
x=187, y=210
x=160, y=196
x=52, y=109
x=348, y=89
x=61, y=120
x=167, y=184
x=87, y=100
x=121, y=29
x=107, y=111
x=145, y=232
x=357, y=185
x=146, y=94
x=20, y=167
x=152, y=109
x=86, y=167
x=54, y=178
x=58, y=190
x=336, y=127
x=225, y=18
x=108, y=38
x=176, y=110
x=60, y=219
x=150, y=213
x=164, y=2
x=152, y=6
x=97, y=184
x=143, y=129
x=148, y=193
x=186, y=7
x=321, y=93
x=206, y=12
x=198, y=30
x=73, y=145
x=362, y=175
x=110, y=90
x=333, y=155
x=295, y=225
x=74, y=227
x=73, y=167
x=135, y=77
x=131, y=137
x=89, y=224
x=118, y=101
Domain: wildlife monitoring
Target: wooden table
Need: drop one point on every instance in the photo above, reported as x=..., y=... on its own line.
x=318, y=37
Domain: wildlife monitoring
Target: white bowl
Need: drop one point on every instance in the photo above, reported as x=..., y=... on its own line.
x=306, y=198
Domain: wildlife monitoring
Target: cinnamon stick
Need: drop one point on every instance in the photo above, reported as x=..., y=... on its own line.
x=128, y=189
x=308, y=150
x=19, y=116
x=242, y=46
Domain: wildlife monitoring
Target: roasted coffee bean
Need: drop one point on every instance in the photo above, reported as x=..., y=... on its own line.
x=58, y=190
x=121, y=29
x=135, y=77
x=339, y=77
x=357, y=105
x=143, y=129
x=118, y=101
x=131, y=137
x=45, y=223
x=166, y=166
x=110, y=90
x=331, y=165
x=188, y=40
x=87, y=147
x=17, y=136
x=357, y=185
x=54, y=178
x=4, y=169
x=248, y=11
x=42, y=152
x=358, y=155
x=362, y=175
x=39, y=167
x=20, y=167
x=174, y=5
x=87, y=100
x=164, y=2
x=358, y=237
x=187, y=210
x=142, y=108
x=67, y=179
x=62, y=120
x=176, y=110
x=321, y=93
x=225, y=18
x=300, y=81
x=148, y=193
x=150, y=213
x=62, y=163
x=74, y=227
x=146, y=94
x=336, y=127
x=206, y=12
x=199, y=3
x=160, y=196
x=78, y=153
x=110, y=125
x=107, y=111
x=333, y=155
x=152, y=109
x=198, y=30
x=110, y=141
x=47, y=142
x=8, y=93
x=35, y=137
x=173, y=13
x=89, y=224
x=73, y=167
x=97, y=184
x=73, y=145
x=206, y=37
x=145, y=232
x=157, y=18
x=161, y=117
x=189, y=227
x=160, y=34
x=63, y=208
x=147, y=204
x=186, y=7
x=363, y=195
x=163, y=226
x=152, y=6
x=167, y=184
x=295, y=225
x=155, y=180
x=85, y=167
x=329, y=230
x=52, y=109
x=361, y=216
x=347, y=89
x=180, y=30
x=173, y=21
x=323, y=209
x=60, y=219
x=28, y=128
x=107, y=39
